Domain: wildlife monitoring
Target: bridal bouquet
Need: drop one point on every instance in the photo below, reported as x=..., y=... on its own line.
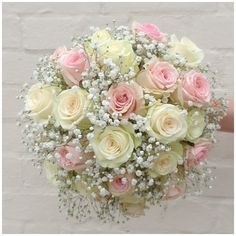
x=122, y=120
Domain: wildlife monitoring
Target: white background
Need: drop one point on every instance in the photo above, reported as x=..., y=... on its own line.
x=32, y=29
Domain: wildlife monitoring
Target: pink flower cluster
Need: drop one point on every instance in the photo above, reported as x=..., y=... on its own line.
x=197, y=153
x=71, y=159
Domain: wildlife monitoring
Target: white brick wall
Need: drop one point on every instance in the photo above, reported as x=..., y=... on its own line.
x=33, y=29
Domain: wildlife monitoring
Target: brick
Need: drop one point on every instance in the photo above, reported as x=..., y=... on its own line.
x=15, y=61
x=226, y=8
x=12, y=139
x=157, y=220
x=12, y=227
x=11, y=31
x=103, y=20
x=219, y=186
x=42, y=227
x=59, y=30
x=223, y=226
x=222, y=61
x=11, y=106
x=201, y=29
x=218, y=156
x=194, y=215
x=159, y=8
x=11, y=174
x=51, y=8
x=32, y=181
x=30, y=207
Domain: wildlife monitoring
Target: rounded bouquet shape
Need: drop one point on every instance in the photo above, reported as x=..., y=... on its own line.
x=122, y=120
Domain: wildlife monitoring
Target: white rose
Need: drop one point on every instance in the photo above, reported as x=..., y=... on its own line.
x=98, y=42
x=196, y=124
x=100, y=38
x=165, y=164
x=166, y=123
x=113, y=146
x=40, y=100
x=121, y=53
x=187, y=49
x=71, y=107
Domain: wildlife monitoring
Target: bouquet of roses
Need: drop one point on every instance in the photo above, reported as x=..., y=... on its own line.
x=122, y=120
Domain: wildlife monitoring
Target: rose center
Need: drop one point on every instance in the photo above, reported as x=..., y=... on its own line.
x=198, y=83
x=122, y=98
x=112, y=145
x=118, y=183
x=72, y=105
x=170, y=125
x=164, y=162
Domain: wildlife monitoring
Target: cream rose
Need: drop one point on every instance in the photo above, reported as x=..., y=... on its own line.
x=158, y=77
x=125, y=98
x=71, y=107
x=187, y=49
x=166, y=123
x=121, y=53
x=113, y=146
x=51, y=170
x=196, y=124
x=40, y=101
x=165, y=164
x=98, y=42
x=100, y=38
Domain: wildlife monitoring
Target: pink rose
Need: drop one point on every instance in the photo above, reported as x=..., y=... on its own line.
x=151, y=30
x=125, y=98
x=119, y=187
x=175, y=191
x=195, y=88
x=58, y=53
x=159, y=77
x=197, y=153
x=73, y=64
x=71, y=159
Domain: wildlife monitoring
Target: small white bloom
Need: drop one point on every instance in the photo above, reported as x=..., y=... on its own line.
x=138, y=173
x=133, y=182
